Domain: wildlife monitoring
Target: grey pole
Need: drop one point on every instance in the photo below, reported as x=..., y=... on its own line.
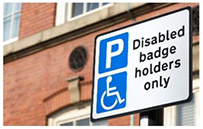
x=132, y=120
x=152, y=118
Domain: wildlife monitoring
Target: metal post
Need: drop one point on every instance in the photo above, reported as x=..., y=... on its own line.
x=152, y=118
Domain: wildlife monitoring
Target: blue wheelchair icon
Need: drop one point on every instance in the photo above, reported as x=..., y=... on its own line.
x=112, y=93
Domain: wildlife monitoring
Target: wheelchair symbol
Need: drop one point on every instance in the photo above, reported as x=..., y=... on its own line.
x=111, y=91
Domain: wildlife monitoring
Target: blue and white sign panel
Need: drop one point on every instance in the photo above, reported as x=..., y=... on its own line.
x=143, y=66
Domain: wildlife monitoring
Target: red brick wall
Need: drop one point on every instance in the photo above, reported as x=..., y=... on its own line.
x=165, y=10
x=36, y=17
x=29, y=80
x=124, y=121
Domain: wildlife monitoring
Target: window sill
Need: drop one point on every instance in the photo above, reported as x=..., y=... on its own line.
x=10, y=41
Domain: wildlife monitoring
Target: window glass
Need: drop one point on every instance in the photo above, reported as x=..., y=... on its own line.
x=7, y=9
x=91, y=6
x=18, y=7
x=7, y=25
x=16, y=25
x=104, y=4
x=83, y=122
x=77, y=9
x=67, y=124
x=100, y=123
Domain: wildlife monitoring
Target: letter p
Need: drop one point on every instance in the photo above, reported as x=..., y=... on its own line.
x=113, y=52
x=110, y=54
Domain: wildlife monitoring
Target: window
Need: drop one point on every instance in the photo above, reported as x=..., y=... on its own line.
x=75, y=116
x=70, y=11
x=11, y=21
x=82, y=8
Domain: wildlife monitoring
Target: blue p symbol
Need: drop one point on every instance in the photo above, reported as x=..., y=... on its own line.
x=113, y=53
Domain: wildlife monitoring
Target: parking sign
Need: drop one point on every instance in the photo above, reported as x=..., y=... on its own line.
x=143, y=66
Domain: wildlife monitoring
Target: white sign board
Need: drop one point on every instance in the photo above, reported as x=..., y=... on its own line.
x=143, y=66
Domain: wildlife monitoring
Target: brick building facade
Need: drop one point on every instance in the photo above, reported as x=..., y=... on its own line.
x=40, y=87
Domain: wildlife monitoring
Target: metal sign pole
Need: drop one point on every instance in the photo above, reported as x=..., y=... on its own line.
x=152, y=118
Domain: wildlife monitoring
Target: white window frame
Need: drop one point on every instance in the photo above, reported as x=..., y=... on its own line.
x=170, y=113
x=69, y=114
x=12, y=21
x=60, y=13
x=64, y=12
